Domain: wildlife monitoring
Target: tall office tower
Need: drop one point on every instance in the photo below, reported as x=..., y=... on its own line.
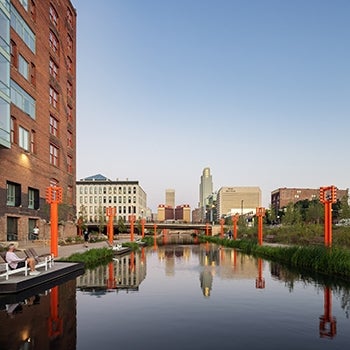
x=205, y=187
x=170, y=198
x=37, y=113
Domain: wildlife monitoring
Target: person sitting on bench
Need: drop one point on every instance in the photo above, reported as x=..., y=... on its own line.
x=16, y=262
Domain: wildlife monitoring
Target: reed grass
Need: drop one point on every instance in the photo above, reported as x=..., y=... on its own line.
x=332, y=261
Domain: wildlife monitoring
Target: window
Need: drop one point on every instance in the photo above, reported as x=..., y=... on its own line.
x=13, y=194
x=14, y=54
x=23, y=66
x=32, y=142
x=23, y=140
x=69, y=89
x=53, y=126
x=53, y=42
x=22, y=99
x=53, y=16
x=69, y=114
x=69, y=65
x=33, y=198
x=13, y=130
x=24, y=3
x=22, y=29
x=54, y=153
x=33, y=11
x=53, y=68
x=53, y=97
x=70, y=164
x=69, y=17
x=69, y=43
x=33, y=74
x=69, y=139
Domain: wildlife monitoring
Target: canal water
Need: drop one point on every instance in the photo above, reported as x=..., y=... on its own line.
x=182, y=297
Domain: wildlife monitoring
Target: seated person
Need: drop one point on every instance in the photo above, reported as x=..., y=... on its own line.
x=16, y=262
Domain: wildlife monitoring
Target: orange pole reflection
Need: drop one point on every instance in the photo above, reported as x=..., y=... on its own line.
x=55, y=323
x=143, y=227
x=111, y=283
x=155, y=237
x=328, y=323
x=222, y=221
x=260, y=280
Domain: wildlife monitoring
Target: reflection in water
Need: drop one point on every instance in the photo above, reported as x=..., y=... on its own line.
x=125, y=272
x=328, y=323
x=43, y=321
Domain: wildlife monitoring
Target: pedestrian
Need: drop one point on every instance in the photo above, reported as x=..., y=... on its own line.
x=35, y=232
x=86, y=237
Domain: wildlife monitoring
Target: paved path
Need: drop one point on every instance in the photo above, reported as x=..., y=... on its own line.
x=64, y=251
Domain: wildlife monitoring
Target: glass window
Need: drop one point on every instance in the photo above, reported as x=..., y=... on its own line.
x=23, y=66
x=32, y=142
x=4, y=75
x=13, y=194
x=54, y=153
x=69, y=114
x=69, y=42
x=70, y=141
x=53, y=16
x=53, y=126
x=22, y=29
x=69, y=17
x=69, y=65
x=53, y=97
x=33, y=198
x=53, y=68
x=24, y=3
x=23, y=140
x=22, y=99
x=53, y=41
x=70, y=164
x=69, y=89
x=13, y=130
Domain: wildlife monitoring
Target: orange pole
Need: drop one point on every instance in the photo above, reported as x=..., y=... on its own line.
x=131, y=220
x=260, y=281
x=143, y=228
x=132, y=261
x=327, y=319
x=155, y=237
x=235, y=219
x=55, y=323
x=260, y=231
x=222, y=221
x=111, y=284
x=54, y=228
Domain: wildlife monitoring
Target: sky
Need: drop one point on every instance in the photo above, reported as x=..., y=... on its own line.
x=256, y=90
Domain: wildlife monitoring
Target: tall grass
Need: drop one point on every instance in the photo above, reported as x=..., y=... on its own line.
x=333, y=261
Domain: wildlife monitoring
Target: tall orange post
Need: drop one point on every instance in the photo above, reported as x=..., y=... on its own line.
x=55, y=323
x=328, y=196
x=110, y=212
x=222, y=221
x=54, y=197
x=155, y=237
x=207, y=229
x=132, y=226
x=143, y=227
x=234, y=221
x=260, y=213
x=327, y=320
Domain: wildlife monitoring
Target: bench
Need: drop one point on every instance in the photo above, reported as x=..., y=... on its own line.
x=45, y=261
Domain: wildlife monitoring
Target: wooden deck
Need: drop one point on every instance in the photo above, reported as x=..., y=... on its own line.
x=59, y=272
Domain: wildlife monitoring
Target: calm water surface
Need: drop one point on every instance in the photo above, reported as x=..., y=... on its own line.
x=183, y=297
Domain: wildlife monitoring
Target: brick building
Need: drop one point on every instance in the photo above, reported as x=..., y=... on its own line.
x=37, y=113
x=165, y=212
x=281, y=197
x=183, y=213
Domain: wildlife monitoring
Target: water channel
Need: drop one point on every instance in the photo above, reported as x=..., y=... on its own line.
x=182, y=297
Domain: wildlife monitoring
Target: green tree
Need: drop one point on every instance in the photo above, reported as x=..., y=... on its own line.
x=101, y=219
x=315, y=212
x=121, y=225
x=344, y=212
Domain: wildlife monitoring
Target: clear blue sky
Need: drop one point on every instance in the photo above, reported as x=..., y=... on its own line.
x=257, y=90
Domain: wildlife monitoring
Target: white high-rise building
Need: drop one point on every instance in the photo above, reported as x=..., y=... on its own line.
x=170, y=198
x=205, y=189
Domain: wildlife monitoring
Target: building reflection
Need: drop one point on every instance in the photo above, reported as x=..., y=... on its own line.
x=124, y=273
x=46, y=320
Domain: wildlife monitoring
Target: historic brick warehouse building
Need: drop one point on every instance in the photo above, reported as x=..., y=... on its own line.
x=37, y=113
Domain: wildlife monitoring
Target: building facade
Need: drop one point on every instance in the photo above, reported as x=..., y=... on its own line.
x=281, y=197
x=37, y=112
x=170, y=198
x=96, y=193
x=241, y=200
x=183, y=213
x=165, y=213
x=205, y=190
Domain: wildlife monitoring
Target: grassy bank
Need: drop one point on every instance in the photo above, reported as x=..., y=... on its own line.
x=92, y=257
x=333, y=261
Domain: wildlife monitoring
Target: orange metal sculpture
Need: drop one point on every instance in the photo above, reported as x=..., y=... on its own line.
x=260, y=213
x=54, y=197
x=110, y=212
x=328, y=196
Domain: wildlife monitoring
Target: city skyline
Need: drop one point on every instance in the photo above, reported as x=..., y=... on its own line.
x=257, y=91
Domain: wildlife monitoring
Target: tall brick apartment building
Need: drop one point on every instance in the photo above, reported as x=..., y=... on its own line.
x=37, y=113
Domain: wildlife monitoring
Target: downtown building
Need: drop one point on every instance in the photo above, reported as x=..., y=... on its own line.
x=37, y=113
x=96, y=193
x=205, y=190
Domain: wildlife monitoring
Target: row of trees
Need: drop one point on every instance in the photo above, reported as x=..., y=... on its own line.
x=308, y=212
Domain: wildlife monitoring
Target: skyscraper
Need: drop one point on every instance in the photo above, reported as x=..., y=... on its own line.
x=37, y=112
x=170, y=198
x=205, y=188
